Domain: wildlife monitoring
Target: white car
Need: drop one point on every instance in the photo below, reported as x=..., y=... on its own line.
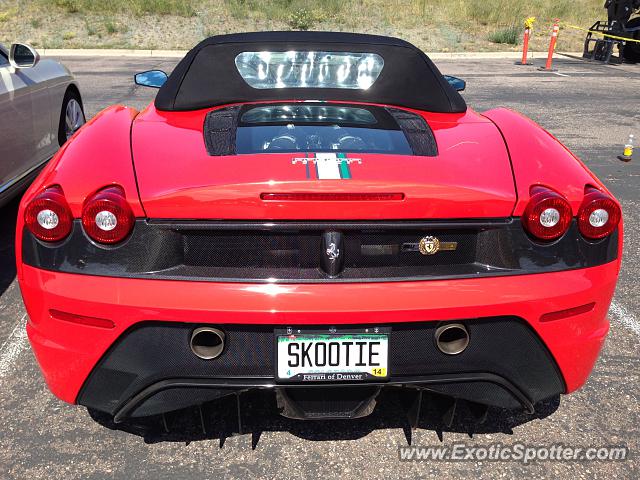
x=40, y=108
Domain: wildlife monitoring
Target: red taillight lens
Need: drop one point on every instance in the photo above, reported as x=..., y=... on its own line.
x=107, y=217
x=599, y=215
x=547, y=215
x=48, y=216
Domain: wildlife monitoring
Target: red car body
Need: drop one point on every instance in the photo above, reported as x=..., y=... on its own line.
x=485, y=169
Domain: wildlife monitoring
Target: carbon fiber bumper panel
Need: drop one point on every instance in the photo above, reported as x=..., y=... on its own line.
x=294, y=252
x=151, y=368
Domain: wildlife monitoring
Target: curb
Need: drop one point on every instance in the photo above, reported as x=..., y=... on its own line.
x=97, y=52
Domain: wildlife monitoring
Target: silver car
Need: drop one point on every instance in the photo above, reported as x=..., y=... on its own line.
x=40, y=108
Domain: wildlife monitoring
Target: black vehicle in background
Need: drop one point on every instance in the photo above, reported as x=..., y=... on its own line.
x=619, y=25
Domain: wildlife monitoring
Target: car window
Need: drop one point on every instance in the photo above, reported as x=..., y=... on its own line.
x=319, y=128
x=309, y=69
x=3, y=59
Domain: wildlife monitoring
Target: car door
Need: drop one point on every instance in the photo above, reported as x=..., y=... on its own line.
x=25, y=121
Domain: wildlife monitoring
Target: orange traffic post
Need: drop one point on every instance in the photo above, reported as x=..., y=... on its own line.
x=525, y=47
x=552, y=45
x=528, y=26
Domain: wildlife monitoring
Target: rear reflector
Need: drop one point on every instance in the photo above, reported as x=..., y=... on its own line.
x=81, y=319
x=332, y=197
x=569, y=312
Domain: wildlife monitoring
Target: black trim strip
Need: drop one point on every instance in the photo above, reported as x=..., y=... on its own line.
x=480, y=223
x=248, y=383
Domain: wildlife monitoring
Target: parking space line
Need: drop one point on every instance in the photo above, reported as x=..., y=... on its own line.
x=625, y=317
x=12, y=347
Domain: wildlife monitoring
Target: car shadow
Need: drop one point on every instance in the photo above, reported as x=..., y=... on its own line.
x=8, y=214
x=258, y=413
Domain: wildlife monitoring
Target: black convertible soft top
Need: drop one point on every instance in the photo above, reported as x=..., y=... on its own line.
x=207, y=75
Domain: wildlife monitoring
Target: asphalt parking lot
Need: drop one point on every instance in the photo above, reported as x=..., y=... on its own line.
x=592, y=108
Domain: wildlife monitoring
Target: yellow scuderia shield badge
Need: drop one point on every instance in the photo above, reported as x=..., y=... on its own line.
x=431, y=245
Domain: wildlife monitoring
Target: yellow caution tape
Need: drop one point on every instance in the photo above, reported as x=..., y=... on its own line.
x=599, y=33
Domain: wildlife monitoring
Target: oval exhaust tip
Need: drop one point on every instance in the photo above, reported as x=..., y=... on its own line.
x=452, y=339
x=207, y=342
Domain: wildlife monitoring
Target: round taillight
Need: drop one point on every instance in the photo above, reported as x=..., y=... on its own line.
x=48, y=216
x=547, y=215
x=107, y=217
x=598, y=216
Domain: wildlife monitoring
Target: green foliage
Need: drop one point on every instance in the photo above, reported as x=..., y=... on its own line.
x=304, y=19
x=184, y=8
x=110, y=26
x=498, y=12
x=509, y=35
x=238, y=8
x=298, y=14
x=71, y=6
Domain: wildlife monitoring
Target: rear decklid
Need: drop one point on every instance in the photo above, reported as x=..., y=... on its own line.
x=469, y=177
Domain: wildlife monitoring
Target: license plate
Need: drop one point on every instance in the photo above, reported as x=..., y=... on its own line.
x=345, y=357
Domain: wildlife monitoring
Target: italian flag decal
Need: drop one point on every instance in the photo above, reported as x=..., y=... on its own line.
x=327, y=166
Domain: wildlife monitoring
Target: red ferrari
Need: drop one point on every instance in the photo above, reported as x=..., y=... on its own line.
x=320, y=215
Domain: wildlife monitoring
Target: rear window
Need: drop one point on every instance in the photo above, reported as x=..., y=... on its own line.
x=302, y=127
x=309, y=69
